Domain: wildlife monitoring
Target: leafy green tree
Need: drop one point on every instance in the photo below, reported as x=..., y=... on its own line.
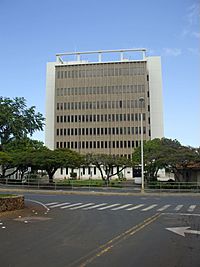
x=17, y=121
x=106, y=163
x=52, y=160
x=16, y=156
x=164, y=153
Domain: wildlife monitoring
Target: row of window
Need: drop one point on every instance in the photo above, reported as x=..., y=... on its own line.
x=98, y=144
x=100, y=105
x=84, y=170
x=117, y=89
x=104, y=72
x=100, y=131
x=101, y=118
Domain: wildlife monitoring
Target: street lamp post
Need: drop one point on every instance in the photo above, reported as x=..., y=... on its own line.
x=79, y=146
x=141, y=100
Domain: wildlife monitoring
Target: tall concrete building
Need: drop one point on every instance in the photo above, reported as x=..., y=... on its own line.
x=94, y=101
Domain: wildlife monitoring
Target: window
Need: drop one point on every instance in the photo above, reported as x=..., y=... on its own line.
x=83, y=144
x=102, y=144
x=86, y=144
x=121, y=144
x=125, y=144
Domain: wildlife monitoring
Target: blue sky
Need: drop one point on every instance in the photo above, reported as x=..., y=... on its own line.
x=33, y=31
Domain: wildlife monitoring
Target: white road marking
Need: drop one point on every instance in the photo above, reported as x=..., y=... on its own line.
x=52, y=203
x=40, y=203
x=110, y=206
x=82, y=206
x=178, y=207
x=72, y=205
x=95, y=206
x=150, y=207
x=135, y=207
x=183, y=230
x=191, y=208
x=122, y=207
x=164, y=208
x=58, y=205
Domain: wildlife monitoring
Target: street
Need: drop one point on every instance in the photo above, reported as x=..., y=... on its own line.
x=107, y=230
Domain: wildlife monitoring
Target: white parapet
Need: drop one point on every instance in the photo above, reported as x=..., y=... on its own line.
x=156, y=99
x=50, y=105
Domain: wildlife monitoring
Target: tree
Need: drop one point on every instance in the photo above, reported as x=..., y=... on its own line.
x=52, y=160
x=17, y=121
x=105, y=164
x=15, y=156
x=164, y=153
x=154, y=158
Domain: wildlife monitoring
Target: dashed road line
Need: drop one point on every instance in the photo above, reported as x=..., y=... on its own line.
x=191, y=208
x=122, y=207
x=135, y=207
x=164, y=208
x=52, y=203
x=95, y=206
x=72, y=205
x=178, y=207
x=82, y=206
x=150, y=207
x=110, y=206
x=59, y=205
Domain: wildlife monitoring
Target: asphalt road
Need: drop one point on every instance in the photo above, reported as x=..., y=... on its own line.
x=110, y=230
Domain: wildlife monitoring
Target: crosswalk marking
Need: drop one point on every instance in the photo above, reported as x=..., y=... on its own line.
x=122, y=207
x=72, y=205
x=58, y=205
x=150, y=207
x=82, y=206
x=164, y=208
x=110, y=206
x=178, y=207
x=95, y=206
x=117, y=206
x=136, y=207
x=52, y=203
x=191, y=208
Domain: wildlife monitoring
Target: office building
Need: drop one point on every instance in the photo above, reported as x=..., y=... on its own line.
x=94, y=101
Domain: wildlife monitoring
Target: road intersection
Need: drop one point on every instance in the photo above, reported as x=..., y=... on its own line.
x=110, y=230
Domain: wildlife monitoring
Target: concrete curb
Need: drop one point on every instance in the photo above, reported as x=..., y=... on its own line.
x=98, y=193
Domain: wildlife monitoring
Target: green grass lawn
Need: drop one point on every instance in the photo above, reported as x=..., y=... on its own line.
x=6, y=195
x=91, y=182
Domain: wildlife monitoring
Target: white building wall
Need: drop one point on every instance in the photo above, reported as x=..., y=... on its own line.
x=156, y=101
x=65, y=174
x=50, y=103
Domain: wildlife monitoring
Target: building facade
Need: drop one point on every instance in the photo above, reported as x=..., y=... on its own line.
x=96, y=106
